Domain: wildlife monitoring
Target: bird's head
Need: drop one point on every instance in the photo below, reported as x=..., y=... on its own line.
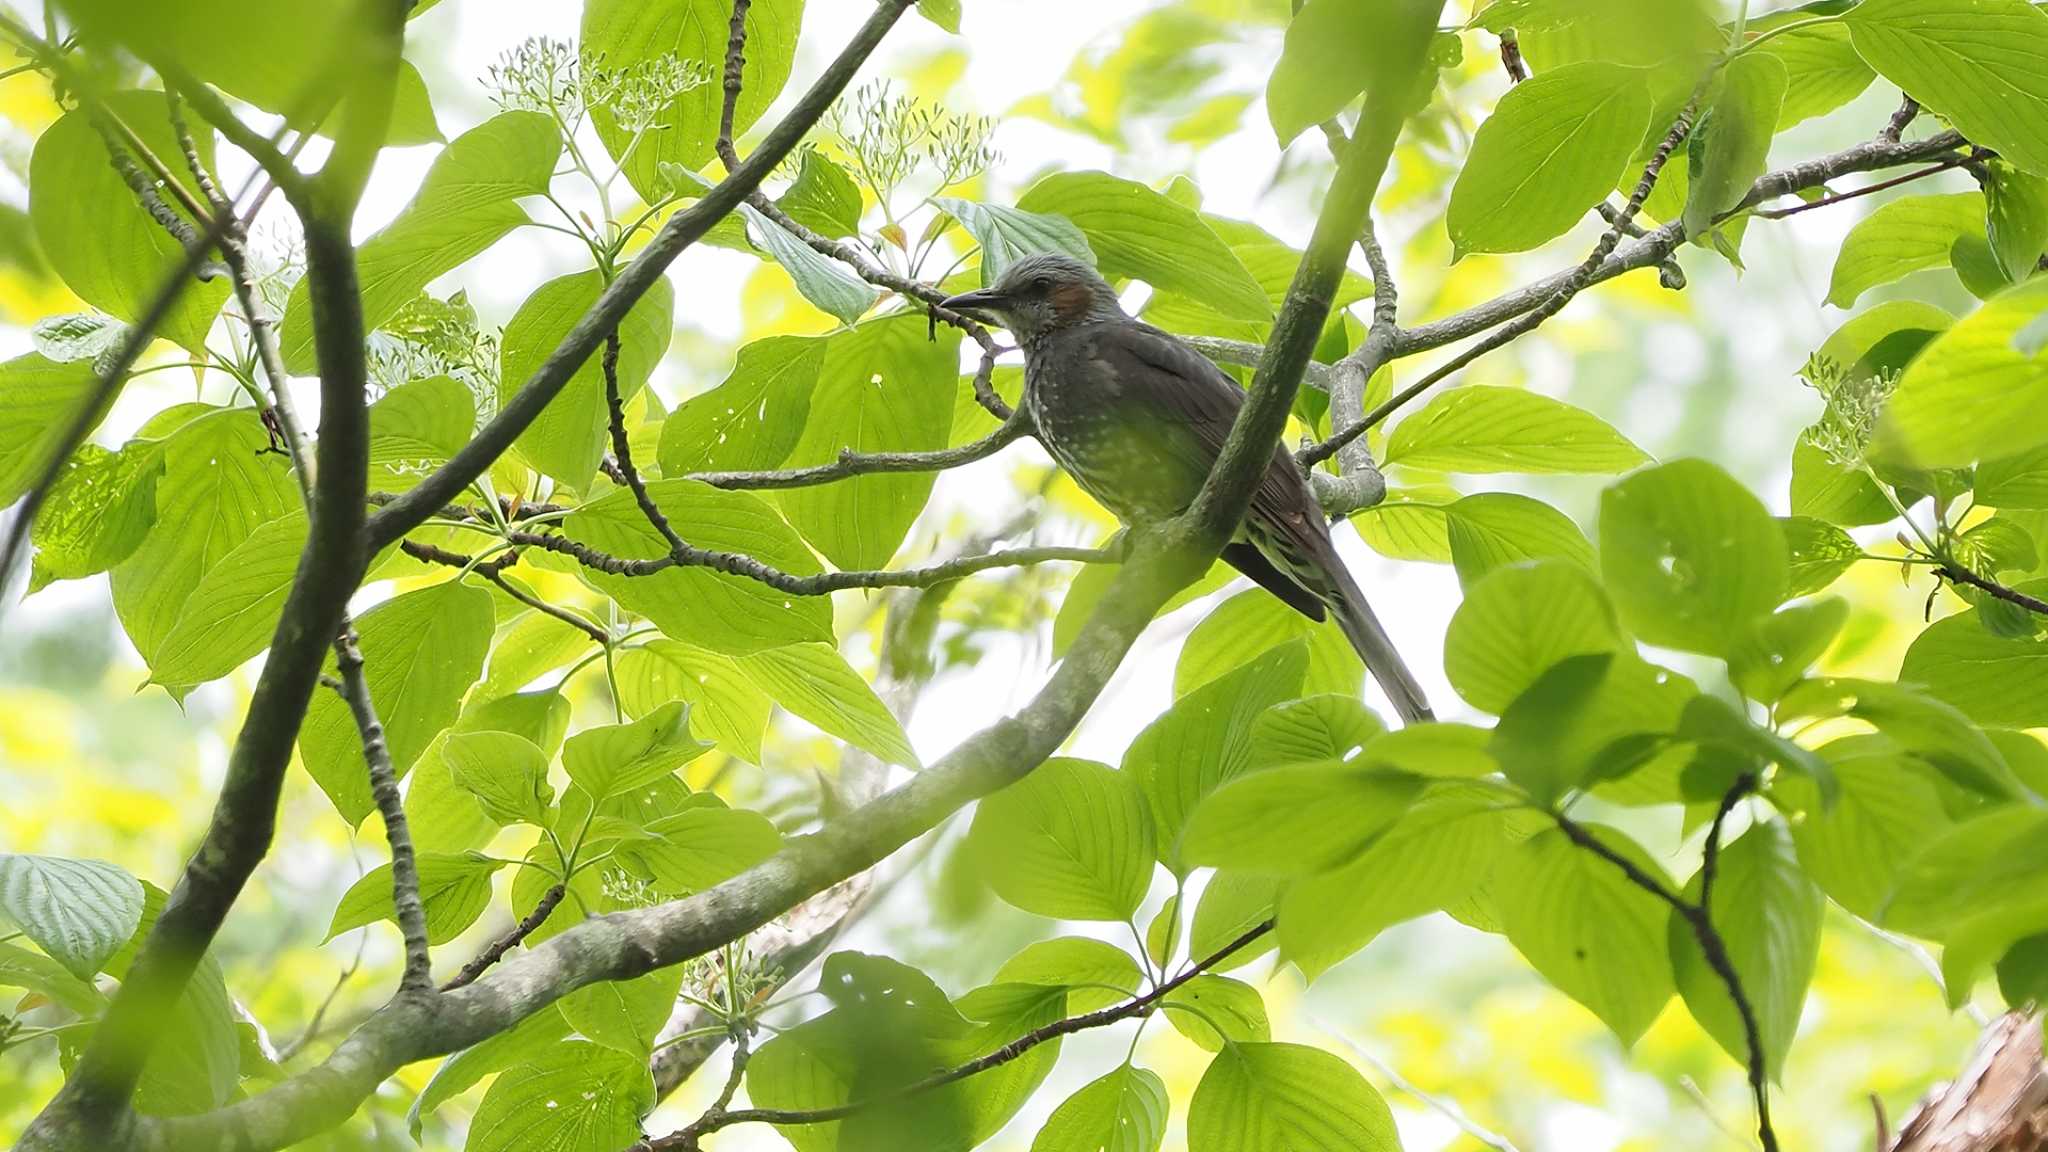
x=1042, y=294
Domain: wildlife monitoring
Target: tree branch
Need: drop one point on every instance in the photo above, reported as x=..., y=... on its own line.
x=718, y=1117
x=851, y=463
x=683, y=229
x=1961, y=575
x=405, y=872
x=496, y=950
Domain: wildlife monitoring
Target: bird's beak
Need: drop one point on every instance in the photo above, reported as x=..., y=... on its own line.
x=982, y=304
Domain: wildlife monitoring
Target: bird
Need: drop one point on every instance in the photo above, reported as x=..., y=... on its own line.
x=1138, y=417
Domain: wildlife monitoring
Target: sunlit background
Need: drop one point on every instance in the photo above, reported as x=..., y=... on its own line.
x=1454, y=1028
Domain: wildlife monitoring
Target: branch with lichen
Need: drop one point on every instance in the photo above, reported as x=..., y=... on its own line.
x=405, y=872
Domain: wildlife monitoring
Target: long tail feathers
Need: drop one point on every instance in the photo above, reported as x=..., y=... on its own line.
x=1377, y=649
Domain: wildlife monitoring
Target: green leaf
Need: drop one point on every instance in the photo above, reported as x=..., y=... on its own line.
x=98, y=512
x=884, y=387
x=1085, y=594
x=466, y=203
x=1443, y=750
x=1232, y=904
x=79, y=912
x=38, y=398
x=814, y=682
x=95, y=234
x=1070, y=840
x=729, y=614
x=1823, y=70
x=37, y=973
x=1137, y=232
x=944, y=13
x=1887, y=809
x=231, y=614
x=1410, y=524
x=523, y=1042
x=1689, y=556
x=702, y=846
x=216, y=489
x=628, y=34
x=1904, y=236
x=1254, y=621
x=575, y=1097
x=1730, y=146
x=1972, y=394
x=1931, y=729
x=1205, y=740
x=1816, y=554
x=1481, y=428
x=1072, y=962
x=507, y=774
x=1992, y=679
x=1215, y=1011
x=530, y=646
x=1969, y=61
x=2017, y=481
x=1287, y=1098
x=1440, y=852
x=415, y=428
x=822, y=280
x=1336, y=49
x=1124, y=1111
x=2015, y=218
x=571, y=434
x=1594, y=935
x=725, y=705
x=1324, y=727
x=1496, y=529
x=751, y=421
x=1554, y=147
x=618, y=758
x=823, y=197
x=1008, y=234
x=455, y=887
x=421, y=651
x=1976, y=866
x=1827, y=493
x=1517, y=622
x=1776, y=651
x=625, y=1014
x=1768, y=915
x=1295, y=820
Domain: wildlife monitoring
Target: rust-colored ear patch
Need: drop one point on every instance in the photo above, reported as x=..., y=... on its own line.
x=1071, y=301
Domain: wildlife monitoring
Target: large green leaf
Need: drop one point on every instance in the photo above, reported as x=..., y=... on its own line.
x=1124, y=1111
x=231, y=614
x=2018, y=481
x=814, y=681
x=1586, y=928
x=1287, y=1098
x=79, y=912
x=415, y=428
x=466, y=203
x=703, y=845
x=1935, y=731
x=1214, y=1011
x=98, y=512
x=1902, y=237
x=1554, y=147
x=574, y=1097
x=507, y=773
x=730, y=614
x=1337, y=48
x=1439, y=852
x=1517, y=622
x=1411, y=524
x=1993, y=679
x=1974, y=393
x=824, y=281
x=625, y=1014
x=99, y=238
x=1205, y=740
x=1297, y=819
x=571, y=434
x=1140, y=233
x=2015, y=218
x=1495, y=529
x=1070, y=840
x=1480, y=428
x=1778, y=649
x=884, y=387
x=1075, y=963
x=459, y=1072
x=1731, y=145
x=1821, y=65
x=1324, y=727
x=725, y=705
x=1887, y=809
x=218, y=486
x=455, y=888
x=1254, y=621
x=1768, y=915
x=38, y=398
x=1977, y=866
x=823, y=197
x=753, y=419
x=1976, y=62
x=421, y=652
x=627, y=34
x=1009, y=234
x=1689, y=556
x=618, y=758
x=37, y=973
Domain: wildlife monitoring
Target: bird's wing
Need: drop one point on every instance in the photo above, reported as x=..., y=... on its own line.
x=1172, y=383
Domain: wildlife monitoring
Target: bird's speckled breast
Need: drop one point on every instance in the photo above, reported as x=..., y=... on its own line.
x=1084, y=422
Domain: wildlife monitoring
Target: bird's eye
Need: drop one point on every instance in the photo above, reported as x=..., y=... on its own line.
x=1042, y=284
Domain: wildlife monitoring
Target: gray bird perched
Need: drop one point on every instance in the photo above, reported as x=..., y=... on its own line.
x=1138, y=418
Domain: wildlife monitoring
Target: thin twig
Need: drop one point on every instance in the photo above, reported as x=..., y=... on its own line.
x=1962, y=575
x=713, y=1121
x=1941, y=166
x=312, y=1031
x=1511, y=56
x=405, y=872
x=493, y=570
x=496, y=950
x=851, y=463
x=1909, y=110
